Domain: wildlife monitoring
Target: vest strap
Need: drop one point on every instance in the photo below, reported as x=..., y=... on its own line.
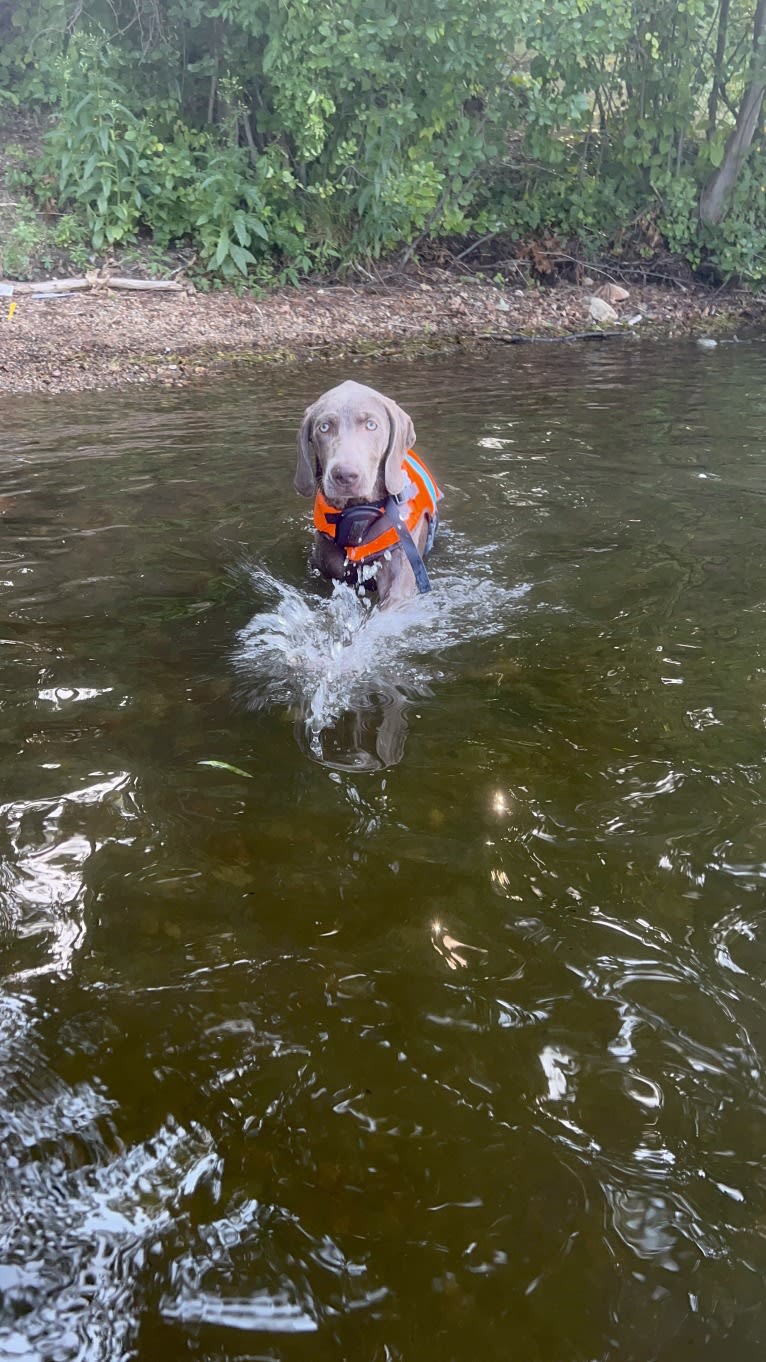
x=422, y=580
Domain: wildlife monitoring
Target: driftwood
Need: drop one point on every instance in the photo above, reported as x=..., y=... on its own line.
x=513, y=337
x=97, y=281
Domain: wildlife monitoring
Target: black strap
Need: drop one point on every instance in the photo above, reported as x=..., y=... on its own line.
x=422, y=580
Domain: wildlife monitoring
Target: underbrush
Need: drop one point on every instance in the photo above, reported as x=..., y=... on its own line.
x=260, y=144
x=94, y=182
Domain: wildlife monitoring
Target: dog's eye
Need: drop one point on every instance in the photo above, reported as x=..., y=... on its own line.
x=371, y=425
x=323, y=426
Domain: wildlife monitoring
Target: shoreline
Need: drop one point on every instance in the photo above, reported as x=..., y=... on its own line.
x=103, y=339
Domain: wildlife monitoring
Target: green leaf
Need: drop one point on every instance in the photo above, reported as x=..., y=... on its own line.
x=240, y=227
x=77, y=110
x=241, y=257
x=226, y=766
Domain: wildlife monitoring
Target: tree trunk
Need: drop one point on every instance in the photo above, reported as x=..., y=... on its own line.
x=716, y=194
x=718, y=69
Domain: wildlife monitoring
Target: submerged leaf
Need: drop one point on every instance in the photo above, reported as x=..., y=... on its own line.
x=226, y=766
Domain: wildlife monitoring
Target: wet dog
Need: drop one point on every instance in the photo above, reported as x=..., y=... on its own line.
x=375, y=501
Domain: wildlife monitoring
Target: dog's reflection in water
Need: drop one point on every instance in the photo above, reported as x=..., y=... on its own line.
x=348, y=672
x=345, y=671
x=370, y=737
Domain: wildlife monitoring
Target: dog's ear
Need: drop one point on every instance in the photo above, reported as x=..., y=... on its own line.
x=401, y=438
x=305, y=470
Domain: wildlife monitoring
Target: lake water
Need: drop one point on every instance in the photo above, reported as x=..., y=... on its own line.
x=387, y=989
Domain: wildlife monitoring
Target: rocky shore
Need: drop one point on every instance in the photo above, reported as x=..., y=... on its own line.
x=102, y=338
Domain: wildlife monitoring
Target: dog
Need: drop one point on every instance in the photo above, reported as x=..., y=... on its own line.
x=375, y=501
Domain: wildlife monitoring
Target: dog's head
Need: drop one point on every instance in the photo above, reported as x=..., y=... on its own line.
x=352, y=443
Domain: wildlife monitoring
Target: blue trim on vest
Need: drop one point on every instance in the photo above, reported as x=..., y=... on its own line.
x=417, y=470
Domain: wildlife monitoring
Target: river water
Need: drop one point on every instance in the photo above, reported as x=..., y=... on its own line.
x=373, y=987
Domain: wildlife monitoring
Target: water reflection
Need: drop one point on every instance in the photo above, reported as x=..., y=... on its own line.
x=83, y=1217
x=47, y=846
x=369, y=737
x=350, y=672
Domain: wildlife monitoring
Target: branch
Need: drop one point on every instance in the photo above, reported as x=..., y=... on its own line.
x=85, y=282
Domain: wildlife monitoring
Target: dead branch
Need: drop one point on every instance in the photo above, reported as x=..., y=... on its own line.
x=515, y=337
x=94, y=282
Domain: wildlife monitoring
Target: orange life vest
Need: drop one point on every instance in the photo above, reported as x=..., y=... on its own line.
x=420, y=496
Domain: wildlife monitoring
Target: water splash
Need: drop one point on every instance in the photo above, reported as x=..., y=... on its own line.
x=348, y=670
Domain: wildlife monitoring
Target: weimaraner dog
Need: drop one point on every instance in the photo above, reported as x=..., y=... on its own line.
x=375, y=501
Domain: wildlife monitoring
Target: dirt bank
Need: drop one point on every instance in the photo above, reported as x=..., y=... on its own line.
x=105, y=339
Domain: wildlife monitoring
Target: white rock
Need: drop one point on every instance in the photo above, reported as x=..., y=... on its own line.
x=612, y=293
x=601, y=311
x=706, y=343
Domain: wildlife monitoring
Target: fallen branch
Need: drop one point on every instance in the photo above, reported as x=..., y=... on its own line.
x=476, y=244
x=514, y=337
x=96, y=282
x=148, y=285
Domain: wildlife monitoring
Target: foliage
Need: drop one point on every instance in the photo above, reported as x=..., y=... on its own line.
x=279, y=139
x=19, y=242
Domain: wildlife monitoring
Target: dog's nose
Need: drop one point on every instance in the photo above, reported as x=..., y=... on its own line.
x=345, y=478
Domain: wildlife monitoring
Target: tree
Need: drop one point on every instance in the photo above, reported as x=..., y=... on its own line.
x=717, y=192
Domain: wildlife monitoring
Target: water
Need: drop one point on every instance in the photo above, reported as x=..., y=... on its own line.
x=345, y=667
x=387, y=987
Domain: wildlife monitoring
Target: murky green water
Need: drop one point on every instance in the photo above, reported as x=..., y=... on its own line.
x=438, y=1045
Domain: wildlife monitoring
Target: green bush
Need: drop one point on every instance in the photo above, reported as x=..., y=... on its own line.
x=278, y=139
x=19, y=243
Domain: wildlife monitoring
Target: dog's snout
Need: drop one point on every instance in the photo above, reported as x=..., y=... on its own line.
x=345, y=477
